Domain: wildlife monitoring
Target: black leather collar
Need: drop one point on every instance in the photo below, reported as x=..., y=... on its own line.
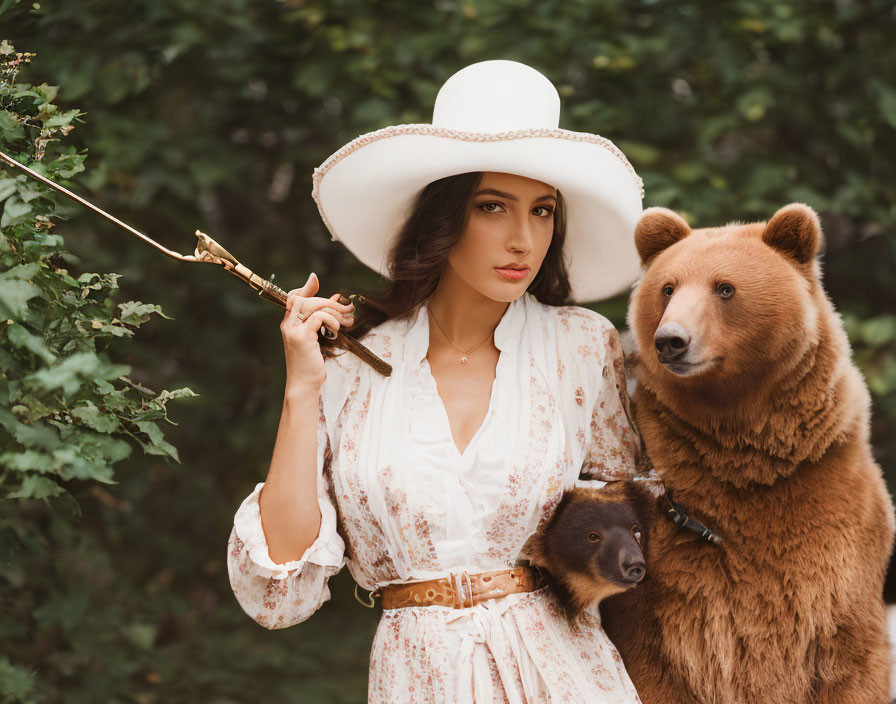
x=681, y=519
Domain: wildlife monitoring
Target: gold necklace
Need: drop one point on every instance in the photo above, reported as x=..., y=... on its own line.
x=463, y=359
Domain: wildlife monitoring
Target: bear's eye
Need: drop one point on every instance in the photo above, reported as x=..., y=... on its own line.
x=668, y=290
x=594, y=536
x=726, y=290
x=636, y=531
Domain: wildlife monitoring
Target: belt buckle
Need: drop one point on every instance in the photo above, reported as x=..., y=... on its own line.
x=462, y=587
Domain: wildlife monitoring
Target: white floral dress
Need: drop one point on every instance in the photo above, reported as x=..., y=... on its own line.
x=399, y=503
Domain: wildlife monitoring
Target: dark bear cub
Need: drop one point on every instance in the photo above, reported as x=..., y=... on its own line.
x=594, y=544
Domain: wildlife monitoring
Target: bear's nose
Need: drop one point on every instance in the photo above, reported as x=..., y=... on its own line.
x=671, y=342
x=633, y=569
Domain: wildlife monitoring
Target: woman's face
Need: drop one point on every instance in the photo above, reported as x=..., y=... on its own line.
x=507, y=235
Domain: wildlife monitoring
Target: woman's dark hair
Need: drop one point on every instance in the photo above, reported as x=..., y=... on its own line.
x=420, y=250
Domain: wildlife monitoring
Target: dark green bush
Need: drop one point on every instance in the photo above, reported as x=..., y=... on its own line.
x=68, y=413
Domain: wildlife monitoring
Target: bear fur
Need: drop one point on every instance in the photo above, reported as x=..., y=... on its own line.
x=754, y=415
x=593, y=545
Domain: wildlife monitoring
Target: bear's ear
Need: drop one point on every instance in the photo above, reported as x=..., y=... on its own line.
x=795, y=232
x=642, y=500
x=658, y=229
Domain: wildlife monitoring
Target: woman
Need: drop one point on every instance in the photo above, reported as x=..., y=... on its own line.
x=428, y=483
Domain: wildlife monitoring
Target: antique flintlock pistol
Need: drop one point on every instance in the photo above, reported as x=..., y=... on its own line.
x=210, y=252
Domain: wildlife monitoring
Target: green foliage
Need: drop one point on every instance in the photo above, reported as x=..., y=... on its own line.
x=213, y=115
x=65, y=407
x=68, y=413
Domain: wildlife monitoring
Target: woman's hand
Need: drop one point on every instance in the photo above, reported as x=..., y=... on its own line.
x=304, y=362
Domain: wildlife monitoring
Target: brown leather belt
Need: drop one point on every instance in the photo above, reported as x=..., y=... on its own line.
x=461, y=591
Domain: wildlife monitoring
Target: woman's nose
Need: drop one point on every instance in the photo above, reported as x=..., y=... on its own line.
x=521, y=237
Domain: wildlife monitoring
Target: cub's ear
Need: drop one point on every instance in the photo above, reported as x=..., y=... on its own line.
x=643, y=501
x=795, y=232
x=658, y=229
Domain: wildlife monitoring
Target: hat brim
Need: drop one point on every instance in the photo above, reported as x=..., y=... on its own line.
x=365, y=191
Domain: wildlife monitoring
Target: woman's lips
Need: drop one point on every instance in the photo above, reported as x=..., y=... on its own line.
x=513, y=274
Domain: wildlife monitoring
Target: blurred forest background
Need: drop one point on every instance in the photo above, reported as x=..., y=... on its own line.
x=176, y=115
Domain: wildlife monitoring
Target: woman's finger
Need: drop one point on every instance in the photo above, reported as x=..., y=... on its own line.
x=333, y=301
x=309, y=288
x=309, y=305
x=292, y=317
x=343, y=318
x=322, y=317
x=298, y=313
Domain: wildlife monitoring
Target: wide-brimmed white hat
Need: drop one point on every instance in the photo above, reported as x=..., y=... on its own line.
x=490, y=116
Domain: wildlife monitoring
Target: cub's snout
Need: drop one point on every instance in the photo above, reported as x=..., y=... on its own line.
x=594, y=545
x=613, y=543
x=632, y=567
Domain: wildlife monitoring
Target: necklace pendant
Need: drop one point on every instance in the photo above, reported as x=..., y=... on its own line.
x=463, y=360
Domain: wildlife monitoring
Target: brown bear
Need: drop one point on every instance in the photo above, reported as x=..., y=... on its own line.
x=758, y=422
x=593, y=545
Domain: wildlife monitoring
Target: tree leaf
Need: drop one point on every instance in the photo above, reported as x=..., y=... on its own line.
x=14, y=297
x=95, y=418
x=8, y=186
x=13, y=211
x=137, y=313
x=36, y=487
x=81, y=367
x=20, y=337
x=29, y=460
x=157, y=444
x=11, y=129
x=37, y=435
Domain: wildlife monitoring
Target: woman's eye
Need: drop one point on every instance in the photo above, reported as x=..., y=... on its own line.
x=594, y=536
x=491, y=206
x=545, y=211
x=726, y=290
x=668, y=290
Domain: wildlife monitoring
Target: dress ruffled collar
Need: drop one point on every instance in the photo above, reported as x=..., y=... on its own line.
x=416, y=342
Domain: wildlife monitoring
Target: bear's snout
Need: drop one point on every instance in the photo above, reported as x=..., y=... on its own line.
x=632, y=566
x=671, y=341
x=622, y=560
x=619, y=559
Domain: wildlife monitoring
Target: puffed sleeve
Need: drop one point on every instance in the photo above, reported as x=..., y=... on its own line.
x=281, y=595
x=613, y=449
